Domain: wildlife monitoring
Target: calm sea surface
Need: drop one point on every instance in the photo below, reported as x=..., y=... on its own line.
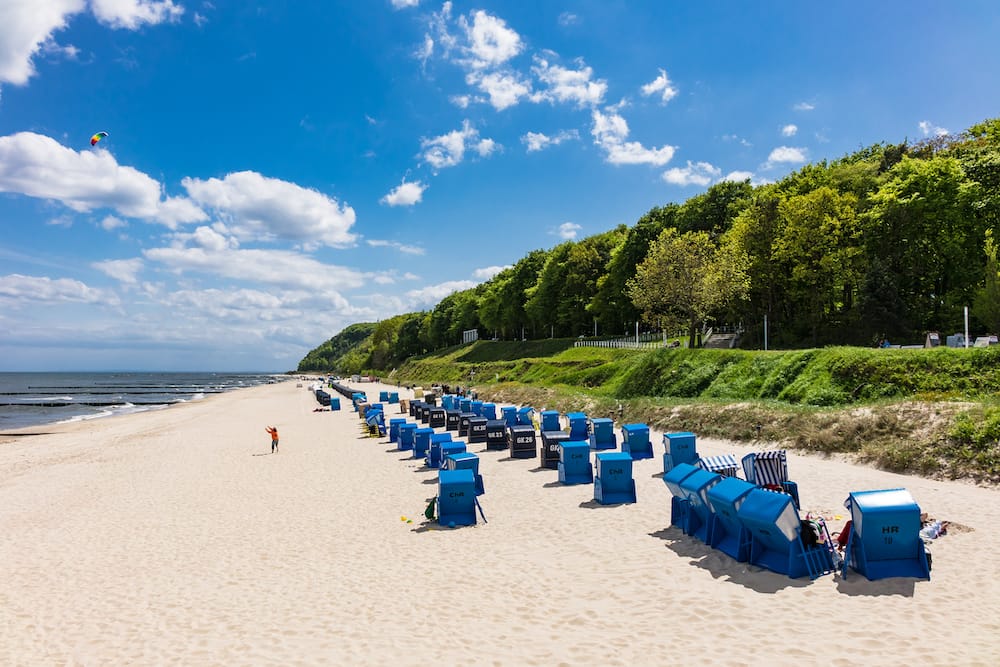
x=30, y=399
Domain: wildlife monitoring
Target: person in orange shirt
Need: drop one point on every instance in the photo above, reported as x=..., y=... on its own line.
x=273, y=430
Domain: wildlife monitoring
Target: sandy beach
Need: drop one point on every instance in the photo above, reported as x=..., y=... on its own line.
x=176, y=537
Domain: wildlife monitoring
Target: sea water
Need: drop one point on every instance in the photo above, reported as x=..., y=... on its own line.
x=32, y=399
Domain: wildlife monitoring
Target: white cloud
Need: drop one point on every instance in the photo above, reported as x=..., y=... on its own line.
x=51, y=49
x=787, y=154
x=738, y=139
x=123, y=270
x=403, y=4
x=566, y=85
x=928, y=128
x=39, y=166
x=460, y=101
x=281, y=268
x=610, y=132
x=568, y=230
x=110, y=223
x=405, y=194
x=695, y=173
x=488, y=272
x=737, y=177
x=25, y=25
x=426, y=50
x=536, y=141
x=408, y=249
x=486, y=147
x=439, y=27
x=804, y=106
x=18, y=290
x=448, y=149
x=505, y=89
x=568, y=18
x=431, y=294
x=61, y=221
x=199, y=20
x=661, y=85
x=789, y=130
x=133, y=14
x=490, y=42
x=260, y=208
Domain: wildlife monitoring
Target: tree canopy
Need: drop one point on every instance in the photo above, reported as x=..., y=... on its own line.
x=894, y=239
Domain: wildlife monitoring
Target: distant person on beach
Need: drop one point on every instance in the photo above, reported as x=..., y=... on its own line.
x=273, y=430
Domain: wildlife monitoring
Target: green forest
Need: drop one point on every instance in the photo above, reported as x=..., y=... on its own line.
x=892, y=241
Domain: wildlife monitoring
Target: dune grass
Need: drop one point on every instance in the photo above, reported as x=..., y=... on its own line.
x=933, y=412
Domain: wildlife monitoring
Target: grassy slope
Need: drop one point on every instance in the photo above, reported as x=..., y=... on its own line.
x=935, y=412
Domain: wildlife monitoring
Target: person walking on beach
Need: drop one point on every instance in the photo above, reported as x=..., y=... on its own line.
x=273, y=430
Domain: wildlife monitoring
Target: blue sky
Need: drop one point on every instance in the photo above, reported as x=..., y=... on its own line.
x=275, y=171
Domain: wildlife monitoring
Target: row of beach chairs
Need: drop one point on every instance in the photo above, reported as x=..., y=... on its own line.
x=755, y=519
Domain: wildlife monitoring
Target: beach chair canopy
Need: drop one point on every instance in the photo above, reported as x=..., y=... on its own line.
x=766, y=468
x=724, y=464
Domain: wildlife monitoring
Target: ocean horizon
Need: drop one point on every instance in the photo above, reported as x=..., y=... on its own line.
x=46, y=397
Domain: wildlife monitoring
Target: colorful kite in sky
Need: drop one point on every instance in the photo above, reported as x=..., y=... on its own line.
x=97, y=137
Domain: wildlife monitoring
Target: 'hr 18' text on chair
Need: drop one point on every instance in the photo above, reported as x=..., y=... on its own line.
x=885, y=536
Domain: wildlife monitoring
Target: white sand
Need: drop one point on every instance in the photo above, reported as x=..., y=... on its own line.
x=175, y=537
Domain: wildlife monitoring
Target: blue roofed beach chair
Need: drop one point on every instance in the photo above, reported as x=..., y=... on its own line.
x=678, y=448
x=579, y=426
x=459, y=460
x=884, y=538
x=433, y=455
x=776, y=537
x=678, y=499
x=394, y=425
x=635, y=441
x=727, y=533
x=375, y=419
x=574, y=462
x=769, y=470
x=602, y=434
x=407, y=435
x=613, y=481
x=456, y=499
x=695, y=487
